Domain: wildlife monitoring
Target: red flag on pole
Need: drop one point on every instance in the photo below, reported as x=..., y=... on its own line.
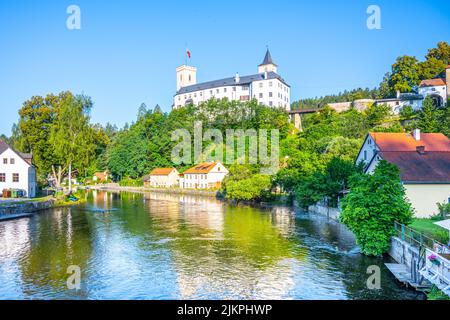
x=188, y=53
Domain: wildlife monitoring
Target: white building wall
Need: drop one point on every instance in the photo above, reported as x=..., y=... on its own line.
x=27, y=173
x=368, y=150
x=436, y=90
x=424, y=198
x=271, y=92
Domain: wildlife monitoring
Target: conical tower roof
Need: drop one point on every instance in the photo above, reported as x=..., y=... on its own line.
x=267, y=59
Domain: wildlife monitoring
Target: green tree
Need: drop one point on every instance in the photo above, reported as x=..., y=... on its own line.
x=374, y=203
x=428, y=117
x=405, y=74
x=441, y=53
x=72, y=137
x=256, y=187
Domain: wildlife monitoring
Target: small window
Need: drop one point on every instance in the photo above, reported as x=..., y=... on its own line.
x=15, y=177
x=365, y=155
x=5, y=161
x=260, y=95
x=270, y=83
x=12, y=161
x=2, y=177
x=270, y=94
x=217, y=90
x=234, y=88
x=225, y=90
x=271, y=103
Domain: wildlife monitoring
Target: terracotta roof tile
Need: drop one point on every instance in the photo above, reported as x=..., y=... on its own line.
x=433, y=82
x=421, y=168
x=405, y=142
x=161, y=171
x=201, y=168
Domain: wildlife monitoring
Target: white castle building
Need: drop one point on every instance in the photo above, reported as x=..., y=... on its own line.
x=266, y=86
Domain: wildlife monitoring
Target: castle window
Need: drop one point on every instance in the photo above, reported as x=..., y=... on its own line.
x=189, y=78
x=15, y=177
x=217, y=90
x=245, y=88
x=2, y=177
x=5, y=161
x=270, y=103
x=270, y=83
x=225, y=90
x=234, y=88
x=260, y=95
x=270, y=94
x=260, y=84
x=12, y=161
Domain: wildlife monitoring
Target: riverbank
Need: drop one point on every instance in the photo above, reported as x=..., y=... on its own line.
x=116, y=187
x=24, y=208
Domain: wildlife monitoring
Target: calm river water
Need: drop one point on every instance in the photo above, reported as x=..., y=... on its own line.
x=159, y=246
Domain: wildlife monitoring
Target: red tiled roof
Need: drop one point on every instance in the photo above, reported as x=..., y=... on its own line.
x=421, y=168
x=448, y=67
x=433, y=82
x=201, y=168
x=161, y=171
x=388, y=142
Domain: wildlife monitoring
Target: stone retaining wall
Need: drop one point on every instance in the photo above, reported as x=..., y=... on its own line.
x=28, y=207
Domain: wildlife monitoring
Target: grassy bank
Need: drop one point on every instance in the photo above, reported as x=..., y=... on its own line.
x=427, y=227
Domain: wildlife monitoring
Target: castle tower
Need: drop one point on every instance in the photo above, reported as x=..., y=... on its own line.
x=267, y=65
x=186, y=76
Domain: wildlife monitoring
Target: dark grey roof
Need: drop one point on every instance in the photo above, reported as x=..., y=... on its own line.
x=228, y=82
x=27, y=157
x=3, y=146
x=267, y=59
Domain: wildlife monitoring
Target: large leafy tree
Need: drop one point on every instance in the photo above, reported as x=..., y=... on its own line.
x=441, y=52
x=72, y=137
x=374, y=203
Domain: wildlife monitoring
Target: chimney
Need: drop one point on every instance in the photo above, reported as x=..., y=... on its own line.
x=237, y=78
x=265, y=75
x=416, y=134
x=420, y=150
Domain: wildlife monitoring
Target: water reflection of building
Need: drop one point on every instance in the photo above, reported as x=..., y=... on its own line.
x=284, y=219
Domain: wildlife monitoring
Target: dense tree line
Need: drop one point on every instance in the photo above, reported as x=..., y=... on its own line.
x=405, y=75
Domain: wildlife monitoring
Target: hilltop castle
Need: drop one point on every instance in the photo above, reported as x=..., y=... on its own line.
x=267, y=86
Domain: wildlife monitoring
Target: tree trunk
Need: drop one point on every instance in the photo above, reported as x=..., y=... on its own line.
x=70, y=178
x=57, y=176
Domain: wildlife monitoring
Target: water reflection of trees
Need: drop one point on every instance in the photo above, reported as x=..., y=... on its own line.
x=59, y=240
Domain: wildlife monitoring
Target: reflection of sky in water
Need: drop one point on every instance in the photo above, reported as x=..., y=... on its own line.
x=161, y=246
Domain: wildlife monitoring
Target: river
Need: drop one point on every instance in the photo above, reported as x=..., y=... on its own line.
x=161, y=246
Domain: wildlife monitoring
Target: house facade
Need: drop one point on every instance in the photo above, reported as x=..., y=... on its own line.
x=267, y=87
x=208, y=175
x=424, y=163
x=162, y=178
x=17, y=171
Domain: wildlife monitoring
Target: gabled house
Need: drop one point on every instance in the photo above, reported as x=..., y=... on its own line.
x=208, y=175
x=162, y=178
x=424, y=163
x=17, y=171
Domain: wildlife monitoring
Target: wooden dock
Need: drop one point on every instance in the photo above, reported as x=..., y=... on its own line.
x=401, y=272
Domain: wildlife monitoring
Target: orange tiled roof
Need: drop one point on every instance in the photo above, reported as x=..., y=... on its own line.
x=432, y=82
x=161, y=171
x=391, y=142
x=101, y=175
x=448, y=67
x=202, y=168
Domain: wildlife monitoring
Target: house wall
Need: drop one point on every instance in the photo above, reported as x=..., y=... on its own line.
x=436, y=90
x=209, y=180
x=368, y=150
x=164, y=181
x=424, y=197
x=27, y=173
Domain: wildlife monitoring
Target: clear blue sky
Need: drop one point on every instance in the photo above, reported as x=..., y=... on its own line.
x=127, y=51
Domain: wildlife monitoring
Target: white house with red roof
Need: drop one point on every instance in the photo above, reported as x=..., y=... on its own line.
x=17, y=171
x=162, y=178
x=208, y=175
x=424, y=163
